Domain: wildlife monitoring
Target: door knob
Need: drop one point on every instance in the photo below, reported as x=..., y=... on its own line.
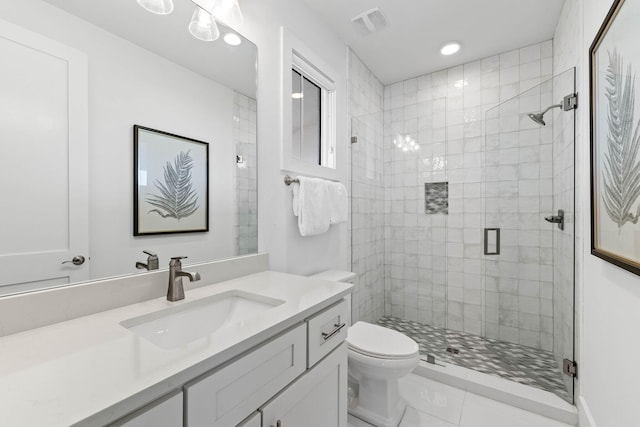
x=77, y=260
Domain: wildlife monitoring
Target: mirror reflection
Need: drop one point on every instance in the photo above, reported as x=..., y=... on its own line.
x=77, y=76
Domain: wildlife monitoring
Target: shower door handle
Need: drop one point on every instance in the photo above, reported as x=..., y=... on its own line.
x=492, y=241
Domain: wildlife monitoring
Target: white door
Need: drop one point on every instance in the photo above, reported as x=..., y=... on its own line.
x=43, y=161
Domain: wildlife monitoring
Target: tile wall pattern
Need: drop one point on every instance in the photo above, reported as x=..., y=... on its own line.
x=244, y=139
x=434, y=266
x=367, y=217
x=518, y=195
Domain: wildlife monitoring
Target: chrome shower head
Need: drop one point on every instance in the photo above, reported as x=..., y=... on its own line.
x=539, y=117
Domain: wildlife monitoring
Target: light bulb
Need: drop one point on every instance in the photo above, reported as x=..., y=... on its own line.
x=203, y=26
x=450, y=48
x=232, y=39
x=160, y=7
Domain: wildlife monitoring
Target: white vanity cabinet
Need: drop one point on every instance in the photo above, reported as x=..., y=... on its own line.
x=298, y=378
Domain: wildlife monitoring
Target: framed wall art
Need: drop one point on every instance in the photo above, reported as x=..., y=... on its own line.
x=170, y=184
x=615, y=137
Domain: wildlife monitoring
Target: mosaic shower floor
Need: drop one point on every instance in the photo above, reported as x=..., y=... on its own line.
x=525, y=365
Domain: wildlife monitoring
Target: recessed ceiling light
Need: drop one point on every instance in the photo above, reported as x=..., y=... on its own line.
x=450, y=48
x=232, y=39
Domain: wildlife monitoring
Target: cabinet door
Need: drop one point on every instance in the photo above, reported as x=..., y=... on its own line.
x=317, y=399
x=165, y=412
x=226, y=396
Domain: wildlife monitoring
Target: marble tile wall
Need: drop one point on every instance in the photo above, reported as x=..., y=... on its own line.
x=518, y=195
x=434, y=264
x=244, y=139
x=367, y=209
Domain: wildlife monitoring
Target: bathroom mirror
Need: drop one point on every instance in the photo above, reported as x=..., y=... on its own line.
x=68, y=170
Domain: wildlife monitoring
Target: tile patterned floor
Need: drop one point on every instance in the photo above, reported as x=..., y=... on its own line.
x=525, y=365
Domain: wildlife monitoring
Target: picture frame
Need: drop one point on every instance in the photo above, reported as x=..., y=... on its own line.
x=614, y=61
x=170, y=183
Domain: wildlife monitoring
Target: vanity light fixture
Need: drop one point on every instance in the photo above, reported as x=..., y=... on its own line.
x=160, y=7
x=203, y=26
x=232, y=39
x=226, y=11
x=203, y=22
x=450, y=48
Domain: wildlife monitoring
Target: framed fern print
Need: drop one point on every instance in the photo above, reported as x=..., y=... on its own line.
x=615, y=137
x=170, y=184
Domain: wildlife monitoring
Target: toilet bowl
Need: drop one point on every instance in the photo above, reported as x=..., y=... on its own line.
x=378, y=357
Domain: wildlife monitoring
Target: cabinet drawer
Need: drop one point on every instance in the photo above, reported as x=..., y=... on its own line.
x=225, y=397
x=326, y=331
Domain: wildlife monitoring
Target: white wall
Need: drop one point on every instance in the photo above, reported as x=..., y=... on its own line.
x=608, y=304
x=127, y=86
x=277, y=227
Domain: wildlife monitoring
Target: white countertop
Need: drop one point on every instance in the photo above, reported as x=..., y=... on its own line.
x=91, y=370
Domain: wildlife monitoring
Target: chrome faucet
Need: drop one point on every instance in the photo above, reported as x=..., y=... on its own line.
x=152, y=262
x=176, y=289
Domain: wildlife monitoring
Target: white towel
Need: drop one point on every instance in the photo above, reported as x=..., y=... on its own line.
x=310, y=205
x=338, y=200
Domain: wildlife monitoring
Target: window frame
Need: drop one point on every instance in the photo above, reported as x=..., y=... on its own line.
x=297, y=57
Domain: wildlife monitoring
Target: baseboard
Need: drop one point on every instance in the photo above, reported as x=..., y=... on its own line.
x=584, y=414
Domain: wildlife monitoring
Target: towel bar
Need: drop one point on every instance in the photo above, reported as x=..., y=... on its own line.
x=290, y=180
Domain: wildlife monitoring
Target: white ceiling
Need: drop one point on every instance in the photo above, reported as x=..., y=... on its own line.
x=169, y=37
x=410, y=46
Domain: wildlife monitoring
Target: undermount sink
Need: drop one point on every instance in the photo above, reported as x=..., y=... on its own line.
x=177, y=326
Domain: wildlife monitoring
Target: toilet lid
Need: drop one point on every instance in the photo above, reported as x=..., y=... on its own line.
x=377, y=341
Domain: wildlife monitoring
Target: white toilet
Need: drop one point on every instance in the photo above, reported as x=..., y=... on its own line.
x=378, y=357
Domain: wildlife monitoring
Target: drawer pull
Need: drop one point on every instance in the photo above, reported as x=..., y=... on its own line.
x=338, y=327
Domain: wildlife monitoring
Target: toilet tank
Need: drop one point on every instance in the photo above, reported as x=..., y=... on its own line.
x=339, y=276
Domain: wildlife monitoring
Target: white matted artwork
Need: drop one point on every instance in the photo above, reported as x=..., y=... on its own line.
x=615, y=137
x=171, y=183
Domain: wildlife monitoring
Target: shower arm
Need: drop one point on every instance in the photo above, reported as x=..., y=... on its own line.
x=550, y=107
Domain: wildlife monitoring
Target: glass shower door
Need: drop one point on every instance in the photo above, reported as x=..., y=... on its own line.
x=529, y=260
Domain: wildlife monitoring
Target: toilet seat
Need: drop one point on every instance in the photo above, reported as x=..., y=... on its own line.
x=380, y=343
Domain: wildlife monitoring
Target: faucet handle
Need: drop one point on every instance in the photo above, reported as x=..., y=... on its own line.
x=149, y=253
x=175, y=261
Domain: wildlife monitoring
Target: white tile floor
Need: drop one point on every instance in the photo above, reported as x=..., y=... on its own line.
x=433, y=404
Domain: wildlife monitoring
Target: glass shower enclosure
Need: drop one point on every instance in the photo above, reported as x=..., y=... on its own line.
x=529, y=234
x=449, y=237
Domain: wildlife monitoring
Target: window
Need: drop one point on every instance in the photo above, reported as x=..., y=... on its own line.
x=306, y=119
x=309, y=111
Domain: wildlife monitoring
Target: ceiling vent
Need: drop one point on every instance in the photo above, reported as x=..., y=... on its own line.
x=370, y=22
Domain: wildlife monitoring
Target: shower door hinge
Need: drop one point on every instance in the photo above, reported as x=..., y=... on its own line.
x=570, y=102
x=570, y=368
x=354, y=139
